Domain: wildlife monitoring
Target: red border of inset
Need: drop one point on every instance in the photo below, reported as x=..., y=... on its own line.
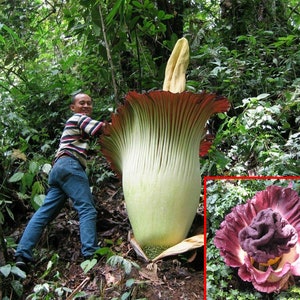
x=206, y=178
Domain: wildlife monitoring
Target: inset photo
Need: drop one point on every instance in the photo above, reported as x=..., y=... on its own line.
x=252, y=237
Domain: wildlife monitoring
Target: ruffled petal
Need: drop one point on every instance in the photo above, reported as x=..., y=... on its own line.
x=284, y=200
x=270, y=280
x=226, y=238
x=265, y=286
x=293, y=258
x=230, y=248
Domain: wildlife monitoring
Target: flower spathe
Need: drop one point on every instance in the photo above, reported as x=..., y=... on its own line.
x=261, y=238
x=153, y=144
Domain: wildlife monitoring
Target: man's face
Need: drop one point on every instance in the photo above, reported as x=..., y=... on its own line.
x=82, y=104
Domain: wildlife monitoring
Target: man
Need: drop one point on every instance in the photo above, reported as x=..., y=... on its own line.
x=67, y=179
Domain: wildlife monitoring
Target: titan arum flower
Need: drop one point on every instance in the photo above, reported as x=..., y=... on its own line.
x=262, y=239
x=153, y=143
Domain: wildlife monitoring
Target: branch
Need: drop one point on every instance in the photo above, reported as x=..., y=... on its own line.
x=53, y=11
x=3, y=248
x=7, y=73
x=139, y=62
x=109, y=56
x=79, y=287
x=294, y=10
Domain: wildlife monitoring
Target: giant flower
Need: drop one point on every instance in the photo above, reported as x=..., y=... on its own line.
x=262, y=239
x=153, y=144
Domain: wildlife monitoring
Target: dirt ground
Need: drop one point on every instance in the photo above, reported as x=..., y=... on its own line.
x=176, y=277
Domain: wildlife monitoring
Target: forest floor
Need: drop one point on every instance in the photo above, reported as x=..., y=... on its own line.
x=57, y=267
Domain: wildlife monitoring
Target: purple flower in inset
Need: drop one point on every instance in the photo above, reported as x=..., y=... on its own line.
x=262, y=239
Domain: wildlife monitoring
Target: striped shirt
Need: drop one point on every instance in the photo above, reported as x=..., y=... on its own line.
x=76, y=136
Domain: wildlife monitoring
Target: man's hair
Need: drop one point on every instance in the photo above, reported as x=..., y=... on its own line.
x=73, y=96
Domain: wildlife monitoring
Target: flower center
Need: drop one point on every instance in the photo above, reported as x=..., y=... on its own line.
x=273, y=263
x=267, y=238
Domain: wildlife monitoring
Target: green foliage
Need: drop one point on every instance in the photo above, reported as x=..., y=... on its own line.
x=9, y=269
x=115, y=261
x=52, y=288
x=98, y=169
x=48, y=291
x=261, y=66
x=263, y=139
x=88, y=264
x=234, y=192
x=10, y=283
x=293, y=293
x=51, y=264
x=126, y=264
x=4, y=207
x=33, y=182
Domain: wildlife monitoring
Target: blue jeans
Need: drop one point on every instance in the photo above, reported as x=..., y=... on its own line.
x=67, y=179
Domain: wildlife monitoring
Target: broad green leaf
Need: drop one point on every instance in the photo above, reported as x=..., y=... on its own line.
x=27, y=181
x=17, y=271
x=46, y=168
x=130, y=282
x=262, y=96
x=79, y=295
x=37, y=188
x=5, y=270
x=104, y=251
x=114, y=11
x=13, y=34
x=33, y=167
x=38, y=201
x=18, y=287
x=10, y=213
x=125, y=296
x=45, y=287
x=16, y=177
x=88, y=265
x=2, y=40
